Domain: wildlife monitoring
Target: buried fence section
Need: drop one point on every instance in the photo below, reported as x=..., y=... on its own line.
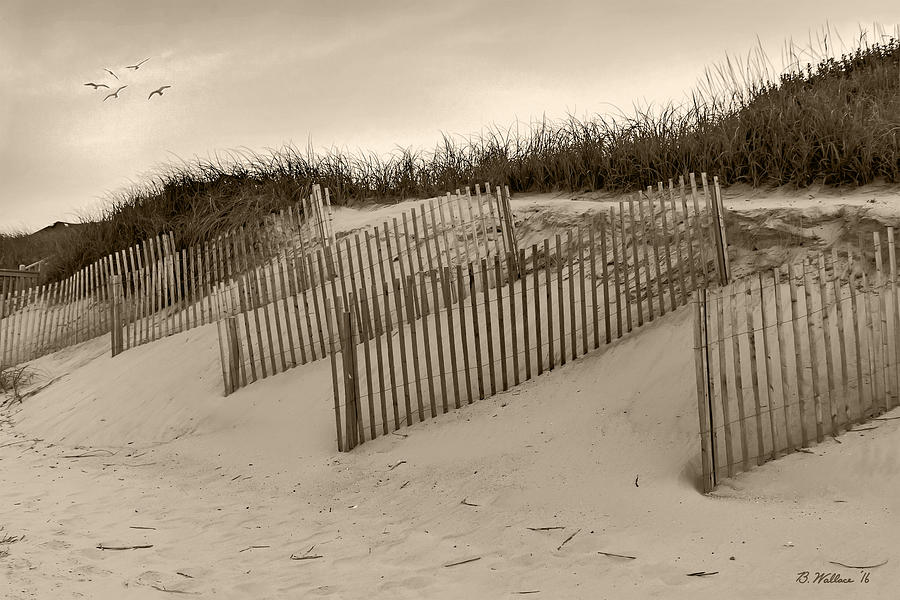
x=789, y=356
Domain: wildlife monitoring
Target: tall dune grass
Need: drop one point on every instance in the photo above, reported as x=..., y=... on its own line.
x=836, y=121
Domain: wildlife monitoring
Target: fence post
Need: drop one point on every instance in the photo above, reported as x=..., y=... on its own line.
x=719, y=230
x=114, y=317
x=226, y=371
x=706, y=448
x=329, y=311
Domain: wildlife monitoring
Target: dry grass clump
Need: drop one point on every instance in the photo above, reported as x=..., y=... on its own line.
x=11, y=379
x=835, y=121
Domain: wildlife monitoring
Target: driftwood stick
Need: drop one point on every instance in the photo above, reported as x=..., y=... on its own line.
x=462, y=562
x=568, y=539
x=105, y=547
x=617, y=555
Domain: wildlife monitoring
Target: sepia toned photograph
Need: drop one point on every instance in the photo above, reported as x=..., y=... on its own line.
x=443, y=300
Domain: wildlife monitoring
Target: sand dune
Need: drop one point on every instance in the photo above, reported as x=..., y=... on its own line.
x=143, y=450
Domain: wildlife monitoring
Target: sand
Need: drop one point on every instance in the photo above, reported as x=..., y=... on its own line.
x=144, y=450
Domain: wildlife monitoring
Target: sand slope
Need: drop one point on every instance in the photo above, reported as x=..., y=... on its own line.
x=605, y=447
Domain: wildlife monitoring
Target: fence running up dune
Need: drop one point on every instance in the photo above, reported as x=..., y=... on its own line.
x=518, y=316
x=158, y=290
x=177, y=290
x=789, y=356
x=278, y=311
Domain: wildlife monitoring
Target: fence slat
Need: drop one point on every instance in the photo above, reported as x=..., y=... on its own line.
x=738, y=378
x=638, y=290
x=826, y=331
x=702, y=399
x=460, y=294
x=723, y=380
x=616, y=271
x=475, y=329
x=782, y=358
x=813, y=351
x=501, y=322
x=488, y=327
x=754, y=373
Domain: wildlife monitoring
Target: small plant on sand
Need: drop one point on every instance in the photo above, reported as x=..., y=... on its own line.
x=11, y=379
x=8, y=539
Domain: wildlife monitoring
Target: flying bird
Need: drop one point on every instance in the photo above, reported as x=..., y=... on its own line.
x=111, y=73
x=115, y=94
x=97, y=85
x=159, y=91
x=138, y=65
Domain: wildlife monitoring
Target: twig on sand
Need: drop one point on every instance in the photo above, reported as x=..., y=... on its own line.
x=184, y=574
x=529, y=592
x=310, y=557
x=546, y=528
x=252, y=548
x=568, y=539
x=702, y=574
x=805, y=451
x=91, y=453
x=881, y=564
x=140, y=547
x=467, y=503
x=885, y=418
x=462, y=562
x=307, y=555
x=636, y=477
x=165, y=589
x=15, y=443
x=864, y=428
x=404, y=485
x=397, y=464
x=617, y=555
x=403, y=435
x=139, y=527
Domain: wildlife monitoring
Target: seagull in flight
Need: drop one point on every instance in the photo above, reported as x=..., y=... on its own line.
x=115, y=94
x=159, y=91
x=97, y=85
x=111, y=73
x=138, y=65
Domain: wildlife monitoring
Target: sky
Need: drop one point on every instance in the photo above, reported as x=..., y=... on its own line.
x=355, y=74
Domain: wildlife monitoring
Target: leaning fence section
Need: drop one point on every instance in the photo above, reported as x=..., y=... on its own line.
x=166, y=290
x=496, y=322
x=276, y=312
x=792, y=355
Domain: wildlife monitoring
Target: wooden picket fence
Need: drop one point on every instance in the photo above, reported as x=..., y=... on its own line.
x=160, y=290
x=276, y=312
x=513, y=319
x=13, y=280
x=789, y=356
x=165, y=290
x=40, y=319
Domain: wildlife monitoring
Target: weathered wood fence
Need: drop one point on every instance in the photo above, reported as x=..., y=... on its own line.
x=277, y=312
x=513, y=319
x=160, y=290
x=13, y=280
x=165, y=290
x=789, y=356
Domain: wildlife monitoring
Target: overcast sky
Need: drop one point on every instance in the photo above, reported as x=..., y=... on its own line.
x=356, y=74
